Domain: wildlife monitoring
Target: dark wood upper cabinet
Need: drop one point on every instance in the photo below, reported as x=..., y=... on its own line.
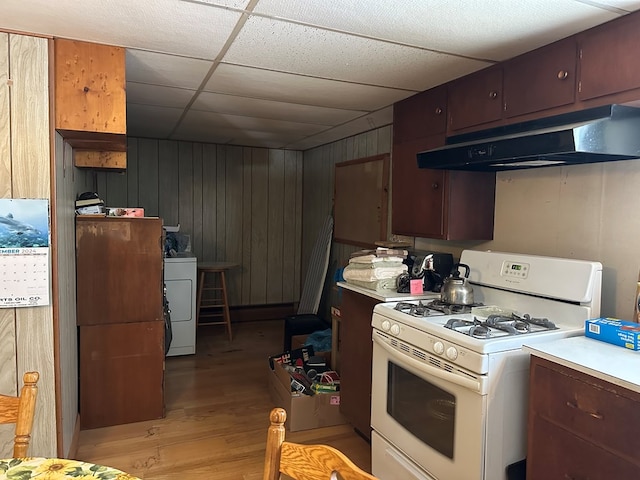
x=440, y=204
x=417, y=193
x=542, y=79
x=475, y=99
x=609, y=58
x=421, y=115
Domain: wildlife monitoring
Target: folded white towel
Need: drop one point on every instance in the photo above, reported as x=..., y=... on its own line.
x=371, y=274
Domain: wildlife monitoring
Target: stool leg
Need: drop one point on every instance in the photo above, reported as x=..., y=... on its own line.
x=199, y=299
x=227, y=316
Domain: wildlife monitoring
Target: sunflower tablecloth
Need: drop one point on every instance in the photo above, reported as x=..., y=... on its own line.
x=57, y=469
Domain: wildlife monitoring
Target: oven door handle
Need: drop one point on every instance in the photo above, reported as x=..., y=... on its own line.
x=468, y=383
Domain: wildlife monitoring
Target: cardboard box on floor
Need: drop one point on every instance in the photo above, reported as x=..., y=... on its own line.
x=299, y=341
x=304, y=412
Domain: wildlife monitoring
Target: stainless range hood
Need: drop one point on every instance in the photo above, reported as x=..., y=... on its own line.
x=600, y=134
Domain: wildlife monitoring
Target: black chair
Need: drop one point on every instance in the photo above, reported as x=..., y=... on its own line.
x=306, y=320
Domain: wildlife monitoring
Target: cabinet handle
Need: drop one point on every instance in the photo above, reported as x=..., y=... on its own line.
x=438, y=111
x=493, y=94
x=596, y=415
x=562, y=74
x=435, y=185
x=86, y=89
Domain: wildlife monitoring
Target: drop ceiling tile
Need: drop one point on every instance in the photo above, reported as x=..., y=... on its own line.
x=239, y=4
x=183, y=28
x=367, y=122
x=626, y=5
x=251, y=107
x=286, y=87
x=311, y=51
x=210, y=120
x=493, y=30
x=140, y=93
x=167, y=70
x=151, y=121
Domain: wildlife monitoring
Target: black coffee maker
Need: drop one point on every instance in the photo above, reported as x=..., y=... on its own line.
x=431, y=267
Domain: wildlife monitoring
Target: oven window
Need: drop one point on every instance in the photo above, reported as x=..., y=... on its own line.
x=425, y=410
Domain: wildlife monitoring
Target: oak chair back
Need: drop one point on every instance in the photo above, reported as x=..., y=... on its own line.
x=305, y=462
x=20, y=410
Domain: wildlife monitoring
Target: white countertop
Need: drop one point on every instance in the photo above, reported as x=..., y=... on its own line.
x=387, y=295
x=611, y=363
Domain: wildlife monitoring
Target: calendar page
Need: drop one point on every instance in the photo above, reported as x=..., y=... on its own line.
x=24, y=252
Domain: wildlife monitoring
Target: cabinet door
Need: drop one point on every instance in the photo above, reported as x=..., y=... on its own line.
x=356, y=350
x=422, y=115
x=119, y=270
x=417, y=193
x=90, y=87
x=475, y=99
x=609, y=58
x=556, y=453
x=542, y=79
x=121, y=373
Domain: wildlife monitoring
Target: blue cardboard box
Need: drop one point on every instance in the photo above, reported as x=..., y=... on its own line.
x=612, y=330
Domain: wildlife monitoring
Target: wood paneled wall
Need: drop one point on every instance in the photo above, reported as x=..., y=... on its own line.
x=318, y=187
x=27, y=334
x=238, y=204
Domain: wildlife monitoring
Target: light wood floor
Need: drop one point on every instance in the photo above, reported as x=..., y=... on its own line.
x=217, y=409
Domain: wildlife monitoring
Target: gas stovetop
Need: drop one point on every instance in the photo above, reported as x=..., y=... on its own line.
x=411, y=321
x=500, y=326
x=431, y=308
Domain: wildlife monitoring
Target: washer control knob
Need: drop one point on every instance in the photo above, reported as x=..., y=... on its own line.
x=386, y=325
x=395, y=329
x=438, y=347
x=452, y=353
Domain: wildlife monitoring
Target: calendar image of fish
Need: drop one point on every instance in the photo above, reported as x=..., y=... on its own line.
x=24, y=223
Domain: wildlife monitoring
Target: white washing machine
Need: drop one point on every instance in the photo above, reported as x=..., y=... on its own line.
x=180, y=280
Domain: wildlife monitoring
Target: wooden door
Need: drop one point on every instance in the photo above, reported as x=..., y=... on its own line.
x=609, y=58
x=356, y=351
x=119, y=270
x=418, y=194
x=420, y=116
x=475, y=99
x=121, y=373
x=542, y=79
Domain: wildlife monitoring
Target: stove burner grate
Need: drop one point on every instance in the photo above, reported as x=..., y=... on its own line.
x=512, y=325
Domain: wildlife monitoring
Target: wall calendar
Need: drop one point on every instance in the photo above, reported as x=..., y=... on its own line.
x=24, y=252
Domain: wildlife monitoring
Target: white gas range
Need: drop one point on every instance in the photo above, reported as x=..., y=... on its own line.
x=449, y=390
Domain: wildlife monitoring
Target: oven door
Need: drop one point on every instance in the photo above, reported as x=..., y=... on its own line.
x=430, y=413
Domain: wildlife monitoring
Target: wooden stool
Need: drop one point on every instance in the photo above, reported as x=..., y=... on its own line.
x=218, y=302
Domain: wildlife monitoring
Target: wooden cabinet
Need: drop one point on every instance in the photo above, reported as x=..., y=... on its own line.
x=90, y=95
x=475, y=99
x=609, y=58
x=121, y=373
x=120, y=318
x=356, y=350
x=540, y=80
x=422, y=115
x=417, y=193
x=429, y=203
x=119, y=269
x=580, y=426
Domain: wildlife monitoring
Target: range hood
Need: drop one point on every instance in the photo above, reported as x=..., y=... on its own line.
x=601, y=134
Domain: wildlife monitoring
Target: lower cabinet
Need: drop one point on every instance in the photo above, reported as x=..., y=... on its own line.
x=121, y=373
x=356, y=350
x=580, y=426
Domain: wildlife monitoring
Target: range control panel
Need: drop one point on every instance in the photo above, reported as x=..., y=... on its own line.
x=515, y=269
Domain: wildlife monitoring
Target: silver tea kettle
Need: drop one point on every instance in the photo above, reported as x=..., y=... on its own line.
x=455, y=289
